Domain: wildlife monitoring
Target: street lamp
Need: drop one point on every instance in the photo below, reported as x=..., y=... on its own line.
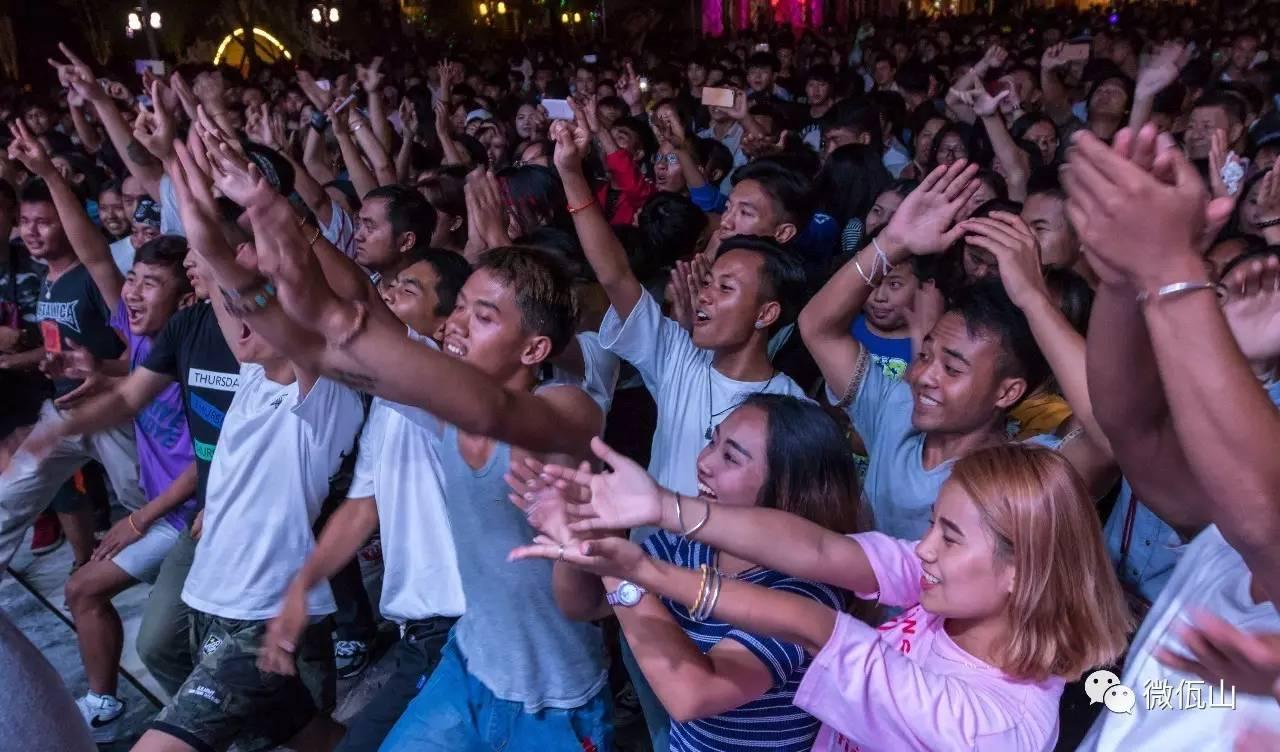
x=502, y=8
x=577, y=17
x=325, y=15
x=333, y=15
x=143, y=18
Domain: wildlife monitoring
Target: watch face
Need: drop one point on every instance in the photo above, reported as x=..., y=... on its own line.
x=629, y=594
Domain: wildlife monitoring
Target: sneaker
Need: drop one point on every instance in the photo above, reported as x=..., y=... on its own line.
x=46, y=534
x=351, y=656
x=104, y=715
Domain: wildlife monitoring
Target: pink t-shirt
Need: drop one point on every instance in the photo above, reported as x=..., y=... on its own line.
x=908, y=686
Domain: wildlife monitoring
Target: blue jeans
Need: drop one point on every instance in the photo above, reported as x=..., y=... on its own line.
x=454, y=712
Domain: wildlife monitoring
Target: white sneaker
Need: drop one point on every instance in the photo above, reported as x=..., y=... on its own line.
x=102, y=713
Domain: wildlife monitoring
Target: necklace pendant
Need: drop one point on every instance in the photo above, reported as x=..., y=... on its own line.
x=707, y=435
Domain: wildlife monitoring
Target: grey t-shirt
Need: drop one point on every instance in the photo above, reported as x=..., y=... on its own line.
x=898, y=489
x=42, y=712
x=513, y=636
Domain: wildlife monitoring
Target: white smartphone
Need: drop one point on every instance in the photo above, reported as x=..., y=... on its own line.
x=558, y=109
x=714, y=97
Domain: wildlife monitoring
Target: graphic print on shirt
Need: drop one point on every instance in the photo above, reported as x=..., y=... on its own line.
x=905, y=625
x=60, y=312
x=199, y=379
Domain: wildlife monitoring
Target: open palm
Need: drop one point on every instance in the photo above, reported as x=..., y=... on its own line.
x=925, y=222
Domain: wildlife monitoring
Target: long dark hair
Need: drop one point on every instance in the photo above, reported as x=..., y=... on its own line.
x=847, y=187
x=811, y=472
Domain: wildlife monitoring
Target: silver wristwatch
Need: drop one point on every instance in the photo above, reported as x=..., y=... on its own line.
x=628, y=594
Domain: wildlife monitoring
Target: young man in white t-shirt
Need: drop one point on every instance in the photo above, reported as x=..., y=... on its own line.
x=696, y=378
x=1189, y=425
x=397, y=489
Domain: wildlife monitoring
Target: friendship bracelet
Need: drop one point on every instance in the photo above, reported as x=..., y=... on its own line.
x=134, y=526
x=859, y=372
x=1264, y=224
x=312, y=242
x=881, y=258
x=249, y=299
x=575, y=210
x=1179, y=288
x=690, y=533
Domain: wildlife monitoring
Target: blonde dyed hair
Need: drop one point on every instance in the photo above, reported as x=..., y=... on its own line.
x=1067, y=611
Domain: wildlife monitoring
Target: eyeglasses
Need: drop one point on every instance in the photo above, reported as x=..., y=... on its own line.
x=670, y=159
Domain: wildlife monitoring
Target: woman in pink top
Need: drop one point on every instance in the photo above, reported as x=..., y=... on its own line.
x=1008, y=596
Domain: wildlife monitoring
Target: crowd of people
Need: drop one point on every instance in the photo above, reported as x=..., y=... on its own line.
x=825, y=391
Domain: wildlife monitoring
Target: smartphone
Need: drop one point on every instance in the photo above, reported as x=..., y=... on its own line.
x=592, y=58
x=644, y=84
x=155, y=66
x=144, y=100
x=324, y=84
x=558, y=109
x=1075, y=52
x=713, y=97
x=762, y=47
x=51, y=336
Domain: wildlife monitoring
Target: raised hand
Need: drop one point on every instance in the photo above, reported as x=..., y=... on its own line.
x=993, y=59
x=186, y=97
x=1226, y=171
x=1252, y=307
x=78, y=76
x=258, y=126
x=26, y=149
x=370, y=76
x=682, y=294
x=235, y=176
x=983, y=104
x=118, y=91
x=1017, y=254
x=740, y=108
x=1161, y=70
x=544, y=502
x=629, y=87
x=318, y=96
x=1107, y=190
x=486, y=213
x=572, y=144
x=622, y=499
x=1055, y=57
x=443, y=124
x=925, y=222
x=155, y=129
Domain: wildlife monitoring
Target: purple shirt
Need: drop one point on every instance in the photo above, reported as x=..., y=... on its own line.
x=164, y=444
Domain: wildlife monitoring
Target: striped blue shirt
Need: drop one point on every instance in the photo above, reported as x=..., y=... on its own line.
x=771, y=722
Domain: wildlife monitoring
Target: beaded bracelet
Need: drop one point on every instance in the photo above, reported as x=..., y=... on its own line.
x=251, y=299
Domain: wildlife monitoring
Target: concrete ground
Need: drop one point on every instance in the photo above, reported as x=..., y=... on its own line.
x=31, y=596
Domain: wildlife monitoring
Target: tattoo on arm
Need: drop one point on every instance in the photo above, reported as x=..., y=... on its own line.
x=138, y=153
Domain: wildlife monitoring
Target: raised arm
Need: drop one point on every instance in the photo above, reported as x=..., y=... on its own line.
x=1222, y=418
x=370, y=78
x=926, y=226
x=384, y=170
x=1054, y=99
x=89, y=245
x=1160, y=71
x=361, y=176
x=606, y=255
x=1017, y=165
x=90, y=137
x=137, y=159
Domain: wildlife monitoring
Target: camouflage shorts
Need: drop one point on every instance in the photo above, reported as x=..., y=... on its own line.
x=226, y=698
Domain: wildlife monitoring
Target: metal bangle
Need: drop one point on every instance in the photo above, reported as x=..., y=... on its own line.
x=1178, y=288
x=692, y=531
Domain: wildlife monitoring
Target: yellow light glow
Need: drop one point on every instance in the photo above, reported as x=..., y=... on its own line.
x=484, y=9
x=577, y=18
x=236, y=36
x=316, y=16
x=564, y=18
x=502, y=9
x=135, y=22
x=333, y=15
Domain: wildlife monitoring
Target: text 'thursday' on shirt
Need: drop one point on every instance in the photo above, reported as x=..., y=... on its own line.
x=276, y=455
x=691, y=395
x=399, y=465
x=1210, y=576
x=192, y=351
x=908, y=687
x=770, y=721
x=160, y=428
x=73, y=302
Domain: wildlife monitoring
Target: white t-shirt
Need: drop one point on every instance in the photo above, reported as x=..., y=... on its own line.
x=170, y=219
x=1211, y=577
x=601, y=371
x=691, y=395
x=341, y=230
x=122, y=252
x=271, y=473
x=399, y=465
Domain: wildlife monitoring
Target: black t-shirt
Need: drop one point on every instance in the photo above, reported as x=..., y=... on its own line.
x=73, y=302
x=192, y=350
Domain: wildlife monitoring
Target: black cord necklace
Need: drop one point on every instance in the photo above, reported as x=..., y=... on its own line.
x=711, y=416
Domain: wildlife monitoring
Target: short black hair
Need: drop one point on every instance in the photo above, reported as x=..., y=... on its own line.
x=857, y=116
x=35, y=191
x=669, y=226
x=782, y=273
x=1227, y=101
x=542, y=287
x=451, y=270
x=168, y=251
x=912, y=77
x=763, y=60
x=407, y=211
x=791, y=191
x=987, y=311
